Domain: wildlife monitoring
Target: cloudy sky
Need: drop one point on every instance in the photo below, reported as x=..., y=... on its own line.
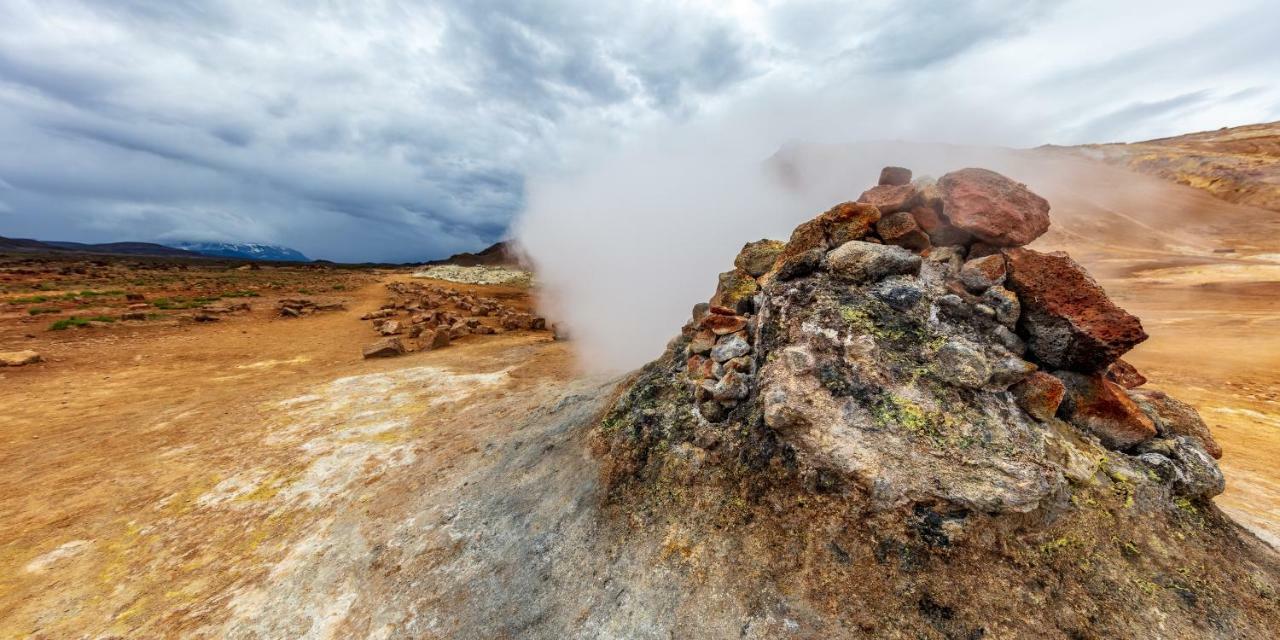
x=399, y=131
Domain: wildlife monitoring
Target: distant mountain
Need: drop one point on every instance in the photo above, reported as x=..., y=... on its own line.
x=121, y=248
x=245, y=251
x=499, y=253
x=23, y=245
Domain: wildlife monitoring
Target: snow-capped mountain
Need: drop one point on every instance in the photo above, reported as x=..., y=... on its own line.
x=243, y=250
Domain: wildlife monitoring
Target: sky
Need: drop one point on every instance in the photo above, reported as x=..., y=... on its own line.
x=402, y=131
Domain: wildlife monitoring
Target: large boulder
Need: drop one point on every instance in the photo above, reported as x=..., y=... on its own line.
x=1069, y=320
x=1174, y=418
x=993, y=208
x=1101, y=407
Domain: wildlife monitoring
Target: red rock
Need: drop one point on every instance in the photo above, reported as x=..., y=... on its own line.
x=724, y=325
x=941, y=232
x=993, y=208
x=1071, y=322
x=722, y=311
x=1039, y=394
x=1125, y=375
x=699, y=367
x=838, y=225
x=1102, y=407
x=1175, y=418
x=895, y=176
x=902, y=230
x=436, y=339
x=890, y=198
x=980, y=274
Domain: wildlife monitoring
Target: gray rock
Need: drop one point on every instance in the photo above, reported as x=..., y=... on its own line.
x=733, y=386
x=730, y=347
x=1009, y=340
x=900, y=292
x=1005, y=303
x=963, y=365
x=1184, y=465
x=954, y=306
x=865, y=261
x=1009, y=370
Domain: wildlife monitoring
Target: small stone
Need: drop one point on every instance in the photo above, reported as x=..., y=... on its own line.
x=961, y=364
x=699, y=367
x=980, y=274
x=385, y=348
x=723, y=325
x=732, y=387
x=436, y=339
x=1183, y=465
x=800, y=265
x=1005, y=303
x=713, y=411
x=895, y=176
x=700, y=311
x=390, y=328
x=1008, y=339
x=954, y=306
x=742, y=364
x=862, y=261
x=757, y=258
x=994, y=208
x=900, y=292
x=1125, y=375
x=1102, y=408
x=1173, y=417
x=1039, y=394
x=733, y=288
x=890, y=198
x=730, y=347
x=702, y=341
x=1009, y=370
x=19, y=358
x=901, y=229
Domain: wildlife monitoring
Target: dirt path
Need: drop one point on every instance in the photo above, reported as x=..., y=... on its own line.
x=153, y=490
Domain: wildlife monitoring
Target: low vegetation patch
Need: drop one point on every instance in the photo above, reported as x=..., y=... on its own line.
x=76, y=321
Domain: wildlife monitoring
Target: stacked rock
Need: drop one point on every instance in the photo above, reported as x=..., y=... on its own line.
x=957, y=290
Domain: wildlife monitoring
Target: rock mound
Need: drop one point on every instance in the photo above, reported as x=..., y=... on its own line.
x=918, y=410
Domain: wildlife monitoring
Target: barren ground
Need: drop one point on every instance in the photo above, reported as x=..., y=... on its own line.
x=254, y=477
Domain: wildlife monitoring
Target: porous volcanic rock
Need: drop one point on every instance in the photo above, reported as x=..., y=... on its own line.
x=890, y=198
x=870, y=450
x=1069, y=320
x=993, y=208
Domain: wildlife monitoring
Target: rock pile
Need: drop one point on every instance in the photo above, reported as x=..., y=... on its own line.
x=298, y=307
x=917, y=314
x=430, y=317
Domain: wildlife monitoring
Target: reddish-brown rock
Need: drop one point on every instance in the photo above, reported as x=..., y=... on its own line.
x=385, y=348
x=838, y=225
x=890, y=198
x=1173, y=417
x=1039, y=394
x=901, y=229
x=980, y=274
x=1101, y=407
x=723, y=325
x=702, y=341
x=757, y=258
x=895, y=176
x=735, y=289
x=699, y=367
x=1070, y=321
x=993, y=208
x=1125, y=375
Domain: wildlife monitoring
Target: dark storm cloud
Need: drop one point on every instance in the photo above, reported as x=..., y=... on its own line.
x=400, y=130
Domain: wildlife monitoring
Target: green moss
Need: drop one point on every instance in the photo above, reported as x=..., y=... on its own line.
x=36, y=311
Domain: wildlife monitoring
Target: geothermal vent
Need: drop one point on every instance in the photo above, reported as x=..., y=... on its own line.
x=904, y=423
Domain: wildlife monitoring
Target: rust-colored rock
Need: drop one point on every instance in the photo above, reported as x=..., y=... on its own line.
x=902, y=230
x=1101, y=407
x=1125, y=375
x=734, y=290
x=702, y=341
x=1070, y=321
x=699, y=367
x=890, y=198
x=980, y=274
x=895, y=176
x=723, y=325
x=993, y=208
x=838, y=225
x=385, y=348
x=1039, y=394
x=1174, y=417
